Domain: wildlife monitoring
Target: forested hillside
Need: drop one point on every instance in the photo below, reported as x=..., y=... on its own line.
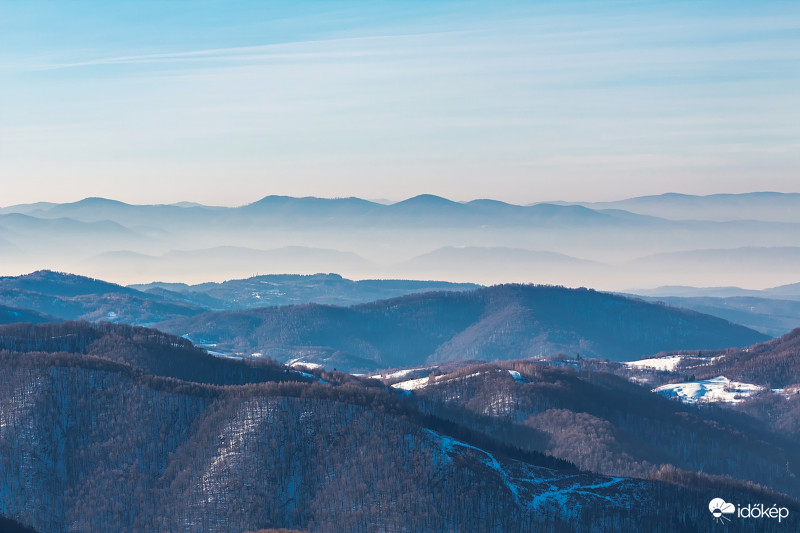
x=90, y=441
x=58, y=295
x=146, y=350
x=775, y=363
x=501, y=322
x=606, y=424
x=285, y=289
x=11, y=315
x=772, y=366
x=72, y=297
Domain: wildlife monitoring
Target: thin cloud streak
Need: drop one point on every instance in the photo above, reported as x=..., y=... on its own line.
x=252, y=53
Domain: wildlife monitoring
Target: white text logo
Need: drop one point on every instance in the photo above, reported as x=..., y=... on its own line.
x=720, y=508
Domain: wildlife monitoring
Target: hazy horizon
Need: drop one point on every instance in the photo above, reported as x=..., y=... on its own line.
x=391, y=201
x=751, y=241
x=587, y=103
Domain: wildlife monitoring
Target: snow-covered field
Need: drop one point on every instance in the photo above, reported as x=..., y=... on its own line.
x=303, y=364
x=419, y=383
x=402, y=373
x=414, y=384
x=719, y=389
x=787, y=392
x=668, y=364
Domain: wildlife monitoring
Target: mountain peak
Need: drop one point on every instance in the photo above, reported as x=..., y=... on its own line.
x=426, y=199
x=274, y=201
x=61, y=284
x=97, y=201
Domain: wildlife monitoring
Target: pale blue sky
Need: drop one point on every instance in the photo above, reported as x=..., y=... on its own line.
x=225, y=102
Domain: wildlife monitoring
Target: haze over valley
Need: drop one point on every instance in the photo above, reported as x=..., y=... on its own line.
x=424, y=237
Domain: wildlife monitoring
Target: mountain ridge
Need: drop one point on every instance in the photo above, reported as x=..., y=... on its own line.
x=80, y=235
x=507, y=322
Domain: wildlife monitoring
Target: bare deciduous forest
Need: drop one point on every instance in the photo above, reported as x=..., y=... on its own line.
x=98, y=430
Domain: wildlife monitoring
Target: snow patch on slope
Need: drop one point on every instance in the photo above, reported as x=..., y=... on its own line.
x=232, y=441
x=787, y=392
x=719, y=389
x=414, y=384
x=298, y=363
x=668, y=364
x=536, y=487
x=516, y=375
x=419, y=383
x=402, y=373
x=15, y=408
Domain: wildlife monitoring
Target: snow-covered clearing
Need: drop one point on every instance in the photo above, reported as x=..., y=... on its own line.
x=402, y=373
x=668, y=364
x=419, y=383
x=516, y=375
x=719, y=389
x=414, y=384
x=304, y=364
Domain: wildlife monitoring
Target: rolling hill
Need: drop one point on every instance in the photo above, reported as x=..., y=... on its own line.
x=71, y=297
x=775, y=363
x=773, y=206
x=58, y=295
x=11, y=315
x=607, y=424
x=284, y=289
x=502, y=322
x=771, y=316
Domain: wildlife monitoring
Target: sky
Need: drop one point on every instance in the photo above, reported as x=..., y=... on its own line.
x=224, y=102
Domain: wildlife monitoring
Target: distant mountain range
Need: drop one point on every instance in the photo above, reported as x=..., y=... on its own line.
x=773, y=311
x=783, y=292
x=482, y=241
x=768, y=206
x=773, y=317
